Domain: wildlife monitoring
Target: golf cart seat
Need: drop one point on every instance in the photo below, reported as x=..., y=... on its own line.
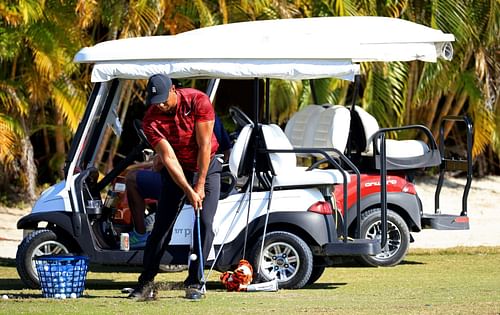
x=297, y=127
x=240, y=159
x=282, y=165
x=283, y=162
x=401, y=154
x=319, y=126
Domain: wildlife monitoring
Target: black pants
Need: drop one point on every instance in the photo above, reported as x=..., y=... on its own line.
x=171, y=202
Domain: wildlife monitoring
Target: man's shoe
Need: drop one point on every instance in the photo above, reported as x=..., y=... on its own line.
x=138, y=241
x=194, y=293
x=144, y=292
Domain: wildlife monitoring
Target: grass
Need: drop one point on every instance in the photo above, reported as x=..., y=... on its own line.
x=455, y=281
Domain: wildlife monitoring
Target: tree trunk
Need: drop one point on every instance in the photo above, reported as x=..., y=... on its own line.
x=412, y=87
x=60, y=144
x=46, y=142
x=431, y=113
x=28, y=168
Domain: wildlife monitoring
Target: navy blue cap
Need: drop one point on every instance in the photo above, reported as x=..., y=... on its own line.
x=157, y=90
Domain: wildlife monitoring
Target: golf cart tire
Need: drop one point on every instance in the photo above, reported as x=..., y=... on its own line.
x=316, y=273
x=301, y=254
x=26, y=251
x=398, y=237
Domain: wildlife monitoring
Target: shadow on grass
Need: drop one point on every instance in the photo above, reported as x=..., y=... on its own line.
x=350, y=262
x=11, y=284
x=410, y=262
x=7, y=262
x=323, y=286
x=105, y=284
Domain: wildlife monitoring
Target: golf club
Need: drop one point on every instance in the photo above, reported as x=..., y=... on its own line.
x=200, y=250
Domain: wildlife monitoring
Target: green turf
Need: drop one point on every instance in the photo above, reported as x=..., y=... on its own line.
x=456, y=281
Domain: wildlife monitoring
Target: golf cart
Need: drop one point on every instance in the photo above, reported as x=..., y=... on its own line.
x=278, y=215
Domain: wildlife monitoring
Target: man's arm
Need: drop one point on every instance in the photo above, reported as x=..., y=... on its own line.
x=204, y=132
x=169, y=159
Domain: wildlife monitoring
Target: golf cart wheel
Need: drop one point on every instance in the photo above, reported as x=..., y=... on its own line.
x=285, y=257
x=37, y=243
x=398, y=238
x=317, y=272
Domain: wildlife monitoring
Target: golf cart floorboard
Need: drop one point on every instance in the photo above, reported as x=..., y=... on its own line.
x=353, y=247
x=445, y=222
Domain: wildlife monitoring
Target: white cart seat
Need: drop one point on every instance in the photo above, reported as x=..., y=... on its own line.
x=284, y=165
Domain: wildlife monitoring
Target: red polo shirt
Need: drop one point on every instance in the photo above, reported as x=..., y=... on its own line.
x=179, y=129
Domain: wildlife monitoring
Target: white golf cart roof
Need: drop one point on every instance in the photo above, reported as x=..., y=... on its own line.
x=285, y=49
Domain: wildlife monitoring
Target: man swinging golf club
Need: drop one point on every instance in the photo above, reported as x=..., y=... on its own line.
x=179, y=126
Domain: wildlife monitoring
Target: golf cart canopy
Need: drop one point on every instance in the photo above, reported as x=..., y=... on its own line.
x=308, y=48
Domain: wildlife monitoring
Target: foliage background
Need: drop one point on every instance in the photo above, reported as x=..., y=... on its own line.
x=43, y=94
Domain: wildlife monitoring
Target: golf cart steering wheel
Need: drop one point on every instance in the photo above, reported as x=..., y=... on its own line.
x=239, y=117
x=140, y=133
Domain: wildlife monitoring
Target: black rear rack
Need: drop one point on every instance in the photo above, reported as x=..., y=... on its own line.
x=438, y=220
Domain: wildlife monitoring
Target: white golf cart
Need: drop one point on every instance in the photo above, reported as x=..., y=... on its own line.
x=288, y=207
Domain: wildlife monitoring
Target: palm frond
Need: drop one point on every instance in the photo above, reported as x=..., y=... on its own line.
x=484, y=127
x=205, y=14
x=11, y=100
x=70, y=102
x=87, y=13
x=398, y=79
x=377, y=98
x=31, y=10
x=10, y=43
x=285, y=95
x=450, y=16
x=142, y=18
x=9, y=137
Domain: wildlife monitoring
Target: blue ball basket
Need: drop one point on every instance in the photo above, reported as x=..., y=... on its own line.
x=62, y=276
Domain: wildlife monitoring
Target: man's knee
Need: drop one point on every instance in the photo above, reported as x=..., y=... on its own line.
x=130, y=179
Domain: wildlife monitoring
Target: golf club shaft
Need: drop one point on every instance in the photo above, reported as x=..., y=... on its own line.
x=200, y=247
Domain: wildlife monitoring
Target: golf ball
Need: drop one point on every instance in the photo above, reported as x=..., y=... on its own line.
x=5, y=297
x=193, y=257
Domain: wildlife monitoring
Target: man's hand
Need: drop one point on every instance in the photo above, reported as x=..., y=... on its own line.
x=195, y=199
x=199, y=188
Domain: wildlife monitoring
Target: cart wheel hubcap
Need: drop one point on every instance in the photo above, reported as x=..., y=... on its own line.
x=393, y=238
x=279, y=260
x=47, y=248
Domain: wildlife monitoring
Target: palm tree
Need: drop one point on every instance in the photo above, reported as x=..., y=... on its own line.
x=39, y=83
